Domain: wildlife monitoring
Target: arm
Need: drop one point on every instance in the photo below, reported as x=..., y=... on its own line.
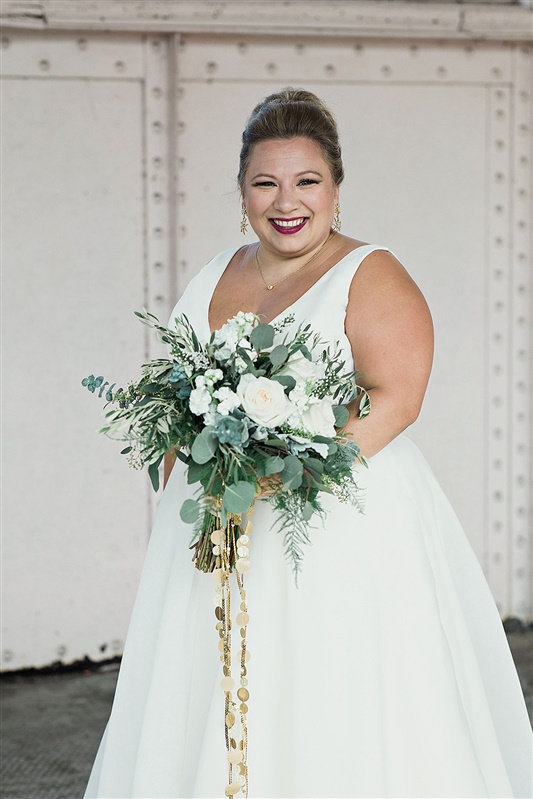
x=391, y=333
x=168, y=465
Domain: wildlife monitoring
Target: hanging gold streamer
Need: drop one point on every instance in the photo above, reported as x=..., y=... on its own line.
x=225, y=544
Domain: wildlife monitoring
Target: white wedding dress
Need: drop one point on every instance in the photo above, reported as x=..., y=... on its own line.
x=386, y=673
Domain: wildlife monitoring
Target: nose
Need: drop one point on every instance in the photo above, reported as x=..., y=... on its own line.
x=286, y=199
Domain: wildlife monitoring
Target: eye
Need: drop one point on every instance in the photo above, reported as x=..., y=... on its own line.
x=264, y=183
x=308, y=181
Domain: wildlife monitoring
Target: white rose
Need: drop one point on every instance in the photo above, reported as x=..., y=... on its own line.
x=319, y=419
x=264, y=400
x=300, y=367
x=199, y=401
x=228, y=400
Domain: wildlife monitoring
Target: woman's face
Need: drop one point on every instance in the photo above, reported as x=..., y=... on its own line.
x=289, y=195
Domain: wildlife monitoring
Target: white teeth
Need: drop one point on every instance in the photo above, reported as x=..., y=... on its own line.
x=288, y=222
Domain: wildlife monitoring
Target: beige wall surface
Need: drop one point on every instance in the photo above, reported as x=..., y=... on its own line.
x=120, y=147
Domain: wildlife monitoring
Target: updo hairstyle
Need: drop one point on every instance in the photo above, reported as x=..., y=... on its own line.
x=287, y=114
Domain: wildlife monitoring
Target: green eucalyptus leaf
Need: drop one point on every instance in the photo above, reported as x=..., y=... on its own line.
x=238, y=496
x=364, y=405
x=126, y=450
x=189, y=511
x=271, y=465
x=262, y=336
x=292, y=472
x=341, y=414
x=307, y=512
x=204, y=446
x=153, y=472
x=286, y=381
x=279, y=355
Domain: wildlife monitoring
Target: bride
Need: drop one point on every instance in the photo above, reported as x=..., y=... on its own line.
x=348, y=696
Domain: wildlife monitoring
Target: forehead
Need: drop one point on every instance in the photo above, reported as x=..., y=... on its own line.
x=287, y=155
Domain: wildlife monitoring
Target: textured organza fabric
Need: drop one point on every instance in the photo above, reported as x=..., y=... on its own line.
x=386, y=673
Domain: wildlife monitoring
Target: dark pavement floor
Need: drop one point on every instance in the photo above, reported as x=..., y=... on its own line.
x=52, y=724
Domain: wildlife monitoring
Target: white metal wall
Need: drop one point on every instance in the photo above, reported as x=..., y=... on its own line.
x=96, y=128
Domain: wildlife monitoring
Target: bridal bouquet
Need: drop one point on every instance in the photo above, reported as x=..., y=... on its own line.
x=255, y=409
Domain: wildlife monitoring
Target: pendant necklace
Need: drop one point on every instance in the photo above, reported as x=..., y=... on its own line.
x=271, y=286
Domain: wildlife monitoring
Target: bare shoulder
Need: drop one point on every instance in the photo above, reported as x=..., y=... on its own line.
x=388, y=322
x=383, y=283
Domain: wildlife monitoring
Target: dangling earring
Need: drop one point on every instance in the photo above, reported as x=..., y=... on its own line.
x=244, y=220
x=336, y=224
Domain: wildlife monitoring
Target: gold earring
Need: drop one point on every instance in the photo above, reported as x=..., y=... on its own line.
x=244, y=220
x=336, y=225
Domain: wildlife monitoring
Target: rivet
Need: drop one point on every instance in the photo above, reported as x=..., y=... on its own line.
x=180, y=92
x=6, y=41
x=183, y=264
x=181, y=162
x=500, y=113
x=525, y=51
x=158, y=265
x=83, y=43
x=469, y=49
x=498, y=274
x=520, y=511
x=156, y=44
x=497, y=496
x=521, y=355
x=499, y=176
x=499, y=93
x=520, y=480
x=120, y=66
x=211, y=66
x=44, y=64
x=358, y=48
x=521, y=289
x=386, y=70
x=500, y=144
x=496, y=72
x=157, y=161
x=520, y=448
x=61, y=650
x=524, y=95
x=497, y=369
x=520, y=417
x=497, y=433
x=442, y=71
x=180, y=127
x=523, y=160
x=497, y=337
x=520, y=572
x=498, y=305
x=498, y=241
x=522, y=193
x=157, y=197
x=300, y=49
x=329, y=69
x=7, y=655
x=498, y=209
x=242, y=47
x=497, y=463
x=521, y=224
x=157, y=127
x=183, y=230
x=181, y=196
x=271, y=67
x=497, y=402
x=521, y=386
x=520, y=540
x=523, y=127
x=498, y=527
x=413, y=49
x=157, y=92
x=520, y=321
x=159, y=298
x=116, y=645
x=496, y=558
x=158, y=232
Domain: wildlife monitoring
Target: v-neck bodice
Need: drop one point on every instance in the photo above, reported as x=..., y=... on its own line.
x=323, y=305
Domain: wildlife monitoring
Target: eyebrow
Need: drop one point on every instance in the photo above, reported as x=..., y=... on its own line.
x=305, y=172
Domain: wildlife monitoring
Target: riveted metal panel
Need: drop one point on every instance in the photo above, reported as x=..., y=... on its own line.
x=71, y=55
x=78, y=260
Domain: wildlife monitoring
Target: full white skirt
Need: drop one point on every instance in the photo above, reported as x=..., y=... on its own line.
x=386, y=673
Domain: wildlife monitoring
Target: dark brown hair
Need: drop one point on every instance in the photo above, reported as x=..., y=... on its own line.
x=287, y=114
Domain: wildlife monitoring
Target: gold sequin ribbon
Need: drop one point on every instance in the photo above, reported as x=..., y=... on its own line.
x=226, y=539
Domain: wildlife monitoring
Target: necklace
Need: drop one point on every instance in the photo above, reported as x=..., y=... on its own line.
x=271, y=286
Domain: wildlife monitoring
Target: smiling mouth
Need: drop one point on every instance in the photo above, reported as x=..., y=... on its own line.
x=288, y=225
